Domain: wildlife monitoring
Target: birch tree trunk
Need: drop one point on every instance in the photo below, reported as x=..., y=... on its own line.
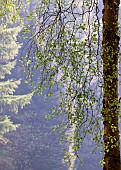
x=110, y=74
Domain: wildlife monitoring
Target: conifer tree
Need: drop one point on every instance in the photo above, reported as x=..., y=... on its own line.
x=9, y=48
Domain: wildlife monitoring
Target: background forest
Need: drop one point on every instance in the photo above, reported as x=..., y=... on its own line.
x=31, y=145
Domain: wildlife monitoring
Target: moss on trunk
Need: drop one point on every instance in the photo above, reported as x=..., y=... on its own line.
x=110, y=47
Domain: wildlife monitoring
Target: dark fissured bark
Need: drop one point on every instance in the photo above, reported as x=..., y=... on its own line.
x=110, y=71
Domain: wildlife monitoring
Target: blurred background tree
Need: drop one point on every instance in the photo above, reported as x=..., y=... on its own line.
x=9, y=48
